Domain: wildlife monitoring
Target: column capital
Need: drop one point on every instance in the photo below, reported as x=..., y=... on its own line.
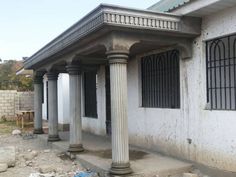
x=38, y=79
x=117, y=56
x=73, y=69
x=52, y=76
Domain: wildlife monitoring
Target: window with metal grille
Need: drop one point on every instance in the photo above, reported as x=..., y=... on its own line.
x=221, y=73
x=160, y=80
x=90, y=94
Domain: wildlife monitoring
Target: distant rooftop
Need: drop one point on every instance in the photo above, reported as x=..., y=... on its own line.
x=168, y=5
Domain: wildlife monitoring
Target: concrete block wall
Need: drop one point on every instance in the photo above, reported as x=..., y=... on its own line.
x=8, y=103
x=12, y=101
x=26, y=100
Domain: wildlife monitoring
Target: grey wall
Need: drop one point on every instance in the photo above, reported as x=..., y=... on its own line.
x=12, y=101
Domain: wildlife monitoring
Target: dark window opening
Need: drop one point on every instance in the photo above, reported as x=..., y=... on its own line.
x=221, y=73
x=42, y=91
x=160, y=80
x=90, y=94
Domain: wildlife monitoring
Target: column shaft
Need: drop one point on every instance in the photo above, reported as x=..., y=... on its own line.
x=120, y=144
x=52, y=107
x=38, y=96
x=75, y=110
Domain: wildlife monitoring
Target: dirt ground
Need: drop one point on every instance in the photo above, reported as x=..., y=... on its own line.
x=33, y=157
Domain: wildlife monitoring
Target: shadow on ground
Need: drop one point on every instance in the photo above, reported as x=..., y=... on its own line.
x=107, y=154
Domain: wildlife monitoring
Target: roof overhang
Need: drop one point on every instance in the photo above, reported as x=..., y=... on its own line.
x=200, y=8
x=23, y=71
x=118, y=18
x=168, y=5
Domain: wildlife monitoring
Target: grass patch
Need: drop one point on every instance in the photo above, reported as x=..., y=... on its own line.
x=7, y=126
x=8, y=123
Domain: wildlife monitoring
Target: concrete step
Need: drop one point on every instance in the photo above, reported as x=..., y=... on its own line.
x=148, y=166
x=143, y=163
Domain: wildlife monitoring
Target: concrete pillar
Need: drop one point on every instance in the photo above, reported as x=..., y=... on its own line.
x=52, y=107
x=118, y=81
x=75, y=109
x=38, y=99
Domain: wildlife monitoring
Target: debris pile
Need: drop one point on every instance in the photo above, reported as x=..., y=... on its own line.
x=22, y=157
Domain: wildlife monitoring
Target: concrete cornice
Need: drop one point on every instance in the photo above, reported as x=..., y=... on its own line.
x=113, y=16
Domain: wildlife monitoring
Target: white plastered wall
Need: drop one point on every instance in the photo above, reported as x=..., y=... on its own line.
x=97, y=125
x=44, y=105
x=63, y=98
x=212, y=133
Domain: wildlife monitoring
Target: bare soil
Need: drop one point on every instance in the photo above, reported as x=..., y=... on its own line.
x=51, y=162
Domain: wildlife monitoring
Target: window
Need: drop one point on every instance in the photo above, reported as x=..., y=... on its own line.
x=221, y=73
x=90, y=93
x=160, y=80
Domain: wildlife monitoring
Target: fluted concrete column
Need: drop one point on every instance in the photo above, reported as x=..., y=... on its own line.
x=118, y=80
x=75, y=109
x=38, y=99
x=52, y=107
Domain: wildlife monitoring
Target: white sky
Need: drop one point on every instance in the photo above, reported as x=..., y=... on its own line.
x=28, y=25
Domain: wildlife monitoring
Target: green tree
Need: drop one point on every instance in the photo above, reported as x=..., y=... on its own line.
x=10, y=81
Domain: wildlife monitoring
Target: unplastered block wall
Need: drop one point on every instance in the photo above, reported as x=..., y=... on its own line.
x=12, y=101
x=8, y=103
x=26, y=100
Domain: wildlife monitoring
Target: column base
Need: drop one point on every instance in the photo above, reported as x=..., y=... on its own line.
x=120, y=169
x=74, y=148
x=53, y=138
x=38, y=131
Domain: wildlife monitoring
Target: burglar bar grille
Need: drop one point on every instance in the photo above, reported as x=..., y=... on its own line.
x=90, y=92
x=160, y=80
x=221, y=73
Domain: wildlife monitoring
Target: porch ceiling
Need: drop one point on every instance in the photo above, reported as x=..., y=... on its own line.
x=108, y=18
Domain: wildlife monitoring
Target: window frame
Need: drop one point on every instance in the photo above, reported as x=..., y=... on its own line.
x=156, y=52
x=228, y=51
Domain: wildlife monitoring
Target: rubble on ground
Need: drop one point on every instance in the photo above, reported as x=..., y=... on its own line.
x=23, y=158
x=16, y=132
x=8, y=156
x=3, y=167
x=190, y=175
x=85, y=174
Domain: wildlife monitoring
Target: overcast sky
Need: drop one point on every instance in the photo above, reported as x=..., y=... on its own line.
x=27, y=25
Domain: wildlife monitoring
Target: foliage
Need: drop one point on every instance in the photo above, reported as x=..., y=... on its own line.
x=10, y=81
